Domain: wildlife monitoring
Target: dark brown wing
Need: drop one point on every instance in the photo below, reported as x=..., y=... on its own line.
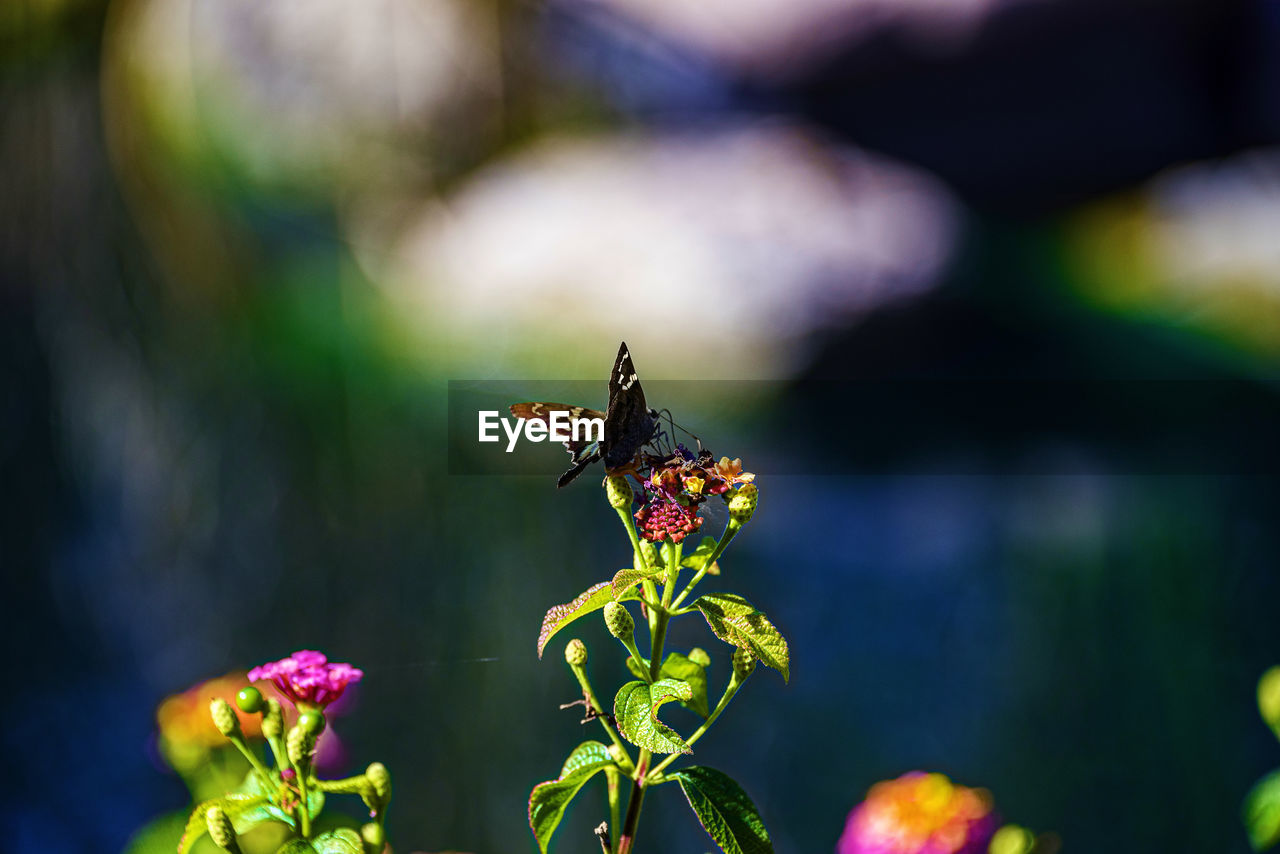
x=541, y=411
x=628, y=423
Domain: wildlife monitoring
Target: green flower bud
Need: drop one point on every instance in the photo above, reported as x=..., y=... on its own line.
x=699, y=656
x=249, y=700
x=744, y=664
x=380, y=777
x=312, y=722
x=575, y=653
x=1269, y=697
x=618, y=491
x=224, y=718
x=649, y=552
x=273, y=719
x=1011, y=839
x=300, y=744
x=375, y=838
x=743, y=503
x=619, y=621
x=221, y=831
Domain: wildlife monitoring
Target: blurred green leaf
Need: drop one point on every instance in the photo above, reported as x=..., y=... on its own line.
x=296, y=846
x=636, y=709
x=238, y=808
x=1262, y=812
x=736, y=621
x=342, y=841
x=548, y=801
x=592, y=599
x=264, y=810
x=724, y=811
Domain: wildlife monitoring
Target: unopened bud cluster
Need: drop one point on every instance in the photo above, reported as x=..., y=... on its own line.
x=618, y=621
x=575, y=653
x=743, y=503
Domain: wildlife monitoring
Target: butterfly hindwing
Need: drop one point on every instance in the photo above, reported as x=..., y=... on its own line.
x=541, y=411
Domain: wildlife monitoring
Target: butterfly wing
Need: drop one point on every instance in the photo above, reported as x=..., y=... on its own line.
x=628, y=423
x=542, y=411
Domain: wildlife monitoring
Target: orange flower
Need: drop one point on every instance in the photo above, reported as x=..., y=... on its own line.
x=187, y=734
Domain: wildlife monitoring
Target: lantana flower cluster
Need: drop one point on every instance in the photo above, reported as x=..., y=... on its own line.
x=920, y=813
x=308, y=677
x=675, y=487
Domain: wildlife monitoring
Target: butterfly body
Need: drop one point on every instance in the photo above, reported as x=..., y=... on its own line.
x=629, y=423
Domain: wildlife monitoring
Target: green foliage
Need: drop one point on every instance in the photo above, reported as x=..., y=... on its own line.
x=341, y=841
x=549, y=800
x=697, y=559
x=1262, y=812
x=239, y=808
x=724, y=811
x=264, y=809
x=626, y=579
x=683, y=669
x=592, y=599
x=636, y=710
x=296, y=846
x=736, y=621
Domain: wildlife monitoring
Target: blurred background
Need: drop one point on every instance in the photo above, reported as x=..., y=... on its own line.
x=993, y=288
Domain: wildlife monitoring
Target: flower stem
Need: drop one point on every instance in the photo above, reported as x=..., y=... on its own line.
x=598, y=710
x=731, y=530
x=658, y=619
x=628, y=838
x=612, y=777
x=630, y=524
x=254, y=761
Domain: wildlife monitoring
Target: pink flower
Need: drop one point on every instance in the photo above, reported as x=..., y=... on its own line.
x=308, y=677
x=920, y=813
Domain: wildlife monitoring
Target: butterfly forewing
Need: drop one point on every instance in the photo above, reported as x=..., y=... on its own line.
x=628, y=423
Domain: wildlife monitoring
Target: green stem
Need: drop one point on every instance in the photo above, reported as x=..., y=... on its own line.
x=595, y=706
x=731, y=530
x=627, y=840
x=613, y=778
x=254, y=761
x=630, y=524
x=730, y=690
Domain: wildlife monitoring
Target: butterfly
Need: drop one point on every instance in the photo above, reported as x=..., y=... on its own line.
x=629, y=423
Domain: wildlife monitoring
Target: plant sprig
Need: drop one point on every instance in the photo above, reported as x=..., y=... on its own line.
x=653, y=579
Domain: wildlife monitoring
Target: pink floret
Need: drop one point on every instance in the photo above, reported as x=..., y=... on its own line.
x=307, y=676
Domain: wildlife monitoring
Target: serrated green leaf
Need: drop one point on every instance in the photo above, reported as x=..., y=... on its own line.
x=698, y=557
x=636, y=709
x=235, y=805
x=592, y=599
x=724, y=811
x=736, y=621
x=684, y=669
x=625, y=579
x=341, y=841
x=548, y=801
x=1262, y=812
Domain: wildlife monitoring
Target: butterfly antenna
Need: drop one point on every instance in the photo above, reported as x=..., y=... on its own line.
x=666, y=413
